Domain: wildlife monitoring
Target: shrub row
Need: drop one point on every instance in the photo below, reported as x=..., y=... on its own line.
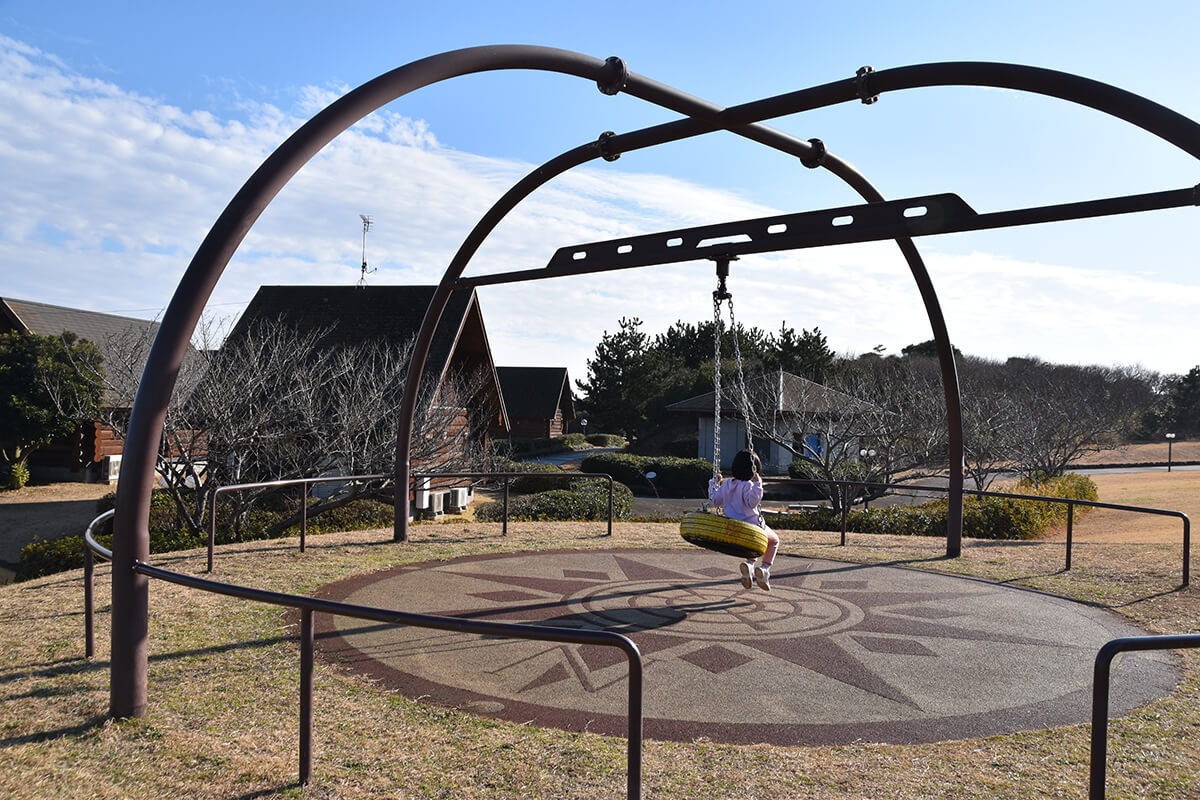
x=582, y=499
x=606, y=440
x=48, y=556
x=983, y=517
x=674, y=477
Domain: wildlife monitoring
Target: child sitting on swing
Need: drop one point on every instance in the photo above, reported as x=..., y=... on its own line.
x=740, y=497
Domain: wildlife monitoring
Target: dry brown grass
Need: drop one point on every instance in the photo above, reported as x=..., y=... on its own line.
x=223, y=709
x=1176, y=491
x=1152, y=453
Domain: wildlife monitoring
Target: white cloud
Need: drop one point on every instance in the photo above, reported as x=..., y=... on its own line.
x=108, y=194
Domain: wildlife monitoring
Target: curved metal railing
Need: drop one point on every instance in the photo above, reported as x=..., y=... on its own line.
x=1100, y=684
x=308, y=605
x=304, y=483
x=1070, y=503
x=91, y=549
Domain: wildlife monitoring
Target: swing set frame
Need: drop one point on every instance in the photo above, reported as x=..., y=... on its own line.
x=875, y=219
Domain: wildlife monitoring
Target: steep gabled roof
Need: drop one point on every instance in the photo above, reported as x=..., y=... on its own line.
x=360, y=314
x=47, y=320
x=106, y=331
x=354, y=314
x=789, y=393
x=536, y=392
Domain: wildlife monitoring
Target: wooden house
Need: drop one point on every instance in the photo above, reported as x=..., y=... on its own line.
x=349, y=315
x=94, y=451
x=538, y=400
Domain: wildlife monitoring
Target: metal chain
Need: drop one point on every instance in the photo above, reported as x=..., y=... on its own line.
x=737, y=351
x=717, y=381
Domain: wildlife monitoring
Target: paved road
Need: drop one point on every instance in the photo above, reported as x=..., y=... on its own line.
x=835, y=653
x=573, y=457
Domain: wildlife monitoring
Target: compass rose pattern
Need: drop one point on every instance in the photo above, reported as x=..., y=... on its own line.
x=835, y=652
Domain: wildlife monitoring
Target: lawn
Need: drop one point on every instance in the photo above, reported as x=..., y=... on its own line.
x=223, y=689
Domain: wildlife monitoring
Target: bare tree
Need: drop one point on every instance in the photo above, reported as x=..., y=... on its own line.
x=277, y=404
x=890, y=407
x=1065, y=411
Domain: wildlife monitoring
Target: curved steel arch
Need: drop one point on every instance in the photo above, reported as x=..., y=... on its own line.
x=603, y=148
x=131, y=539
x=127, y=695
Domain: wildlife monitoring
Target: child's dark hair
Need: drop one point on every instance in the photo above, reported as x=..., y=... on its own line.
x=745, y=464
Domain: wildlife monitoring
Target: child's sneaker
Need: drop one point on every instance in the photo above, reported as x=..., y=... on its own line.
x=746, y=584
x=762, y=576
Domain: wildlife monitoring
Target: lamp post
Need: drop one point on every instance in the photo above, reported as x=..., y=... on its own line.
x=1170, y=441
x=583, y=424
x=864, y=454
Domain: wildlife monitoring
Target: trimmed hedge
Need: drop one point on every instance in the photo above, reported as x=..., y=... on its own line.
x=606, y=440
x=583, y=499
x=983, y=517
x=675, y=477
x=48, y=556
x=532, y=485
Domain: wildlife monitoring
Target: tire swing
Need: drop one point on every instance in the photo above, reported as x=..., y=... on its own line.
x=707, y=529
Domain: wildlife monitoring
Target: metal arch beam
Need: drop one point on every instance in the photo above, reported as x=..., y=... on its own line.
x=130, y=601
x=131, y=539
x=704, y=117
x=575, y=157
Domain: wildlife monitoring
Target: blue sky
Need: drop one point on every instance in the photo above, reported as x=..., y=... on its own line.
x=125, y=129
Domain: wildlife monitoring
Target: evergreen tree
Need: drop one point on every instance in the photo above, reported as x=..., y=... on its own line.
x=619, y=380
x=1184, y=404
x=807, y=355
x=43, y=396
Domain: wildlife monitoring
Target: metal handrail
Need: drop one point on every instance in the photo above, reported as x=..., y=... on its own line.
x=91, y=549
x=307, y=605
x=304, y=482
x=508, y=630
x=1100, y=691
x=1068, y=502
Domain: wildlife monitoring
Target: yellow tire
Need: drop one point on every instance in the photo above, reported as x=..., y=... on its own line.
x=729, y=536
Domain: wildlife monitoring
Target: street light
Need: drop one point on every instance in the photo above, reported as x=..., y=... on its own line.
x=865, y=454
x=1170, y=441
x=583, y=424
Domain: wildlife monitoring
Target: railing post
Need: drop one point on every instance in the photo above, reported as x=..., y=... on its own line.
x=303, y=513
x=1099, y=747
x=1187, y=549
x=845, y=491
x=89, y=603
x=610, y=504
x=633, y=780
x=306, y=694
x=212, y=527
x=1070, y=527
x=504, y=529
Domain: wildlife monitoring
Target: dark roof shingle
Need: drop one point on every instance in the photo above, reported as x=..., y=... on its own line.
x=360, y=314
x=48, y=320
x=536, y=392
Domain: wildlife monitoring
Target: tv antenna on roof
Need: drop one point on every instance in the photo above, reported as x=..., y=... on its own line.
x=366, y=220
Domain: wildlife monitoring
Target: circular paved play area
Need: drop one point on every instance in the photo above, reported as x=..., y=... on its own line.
x=835, y=653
